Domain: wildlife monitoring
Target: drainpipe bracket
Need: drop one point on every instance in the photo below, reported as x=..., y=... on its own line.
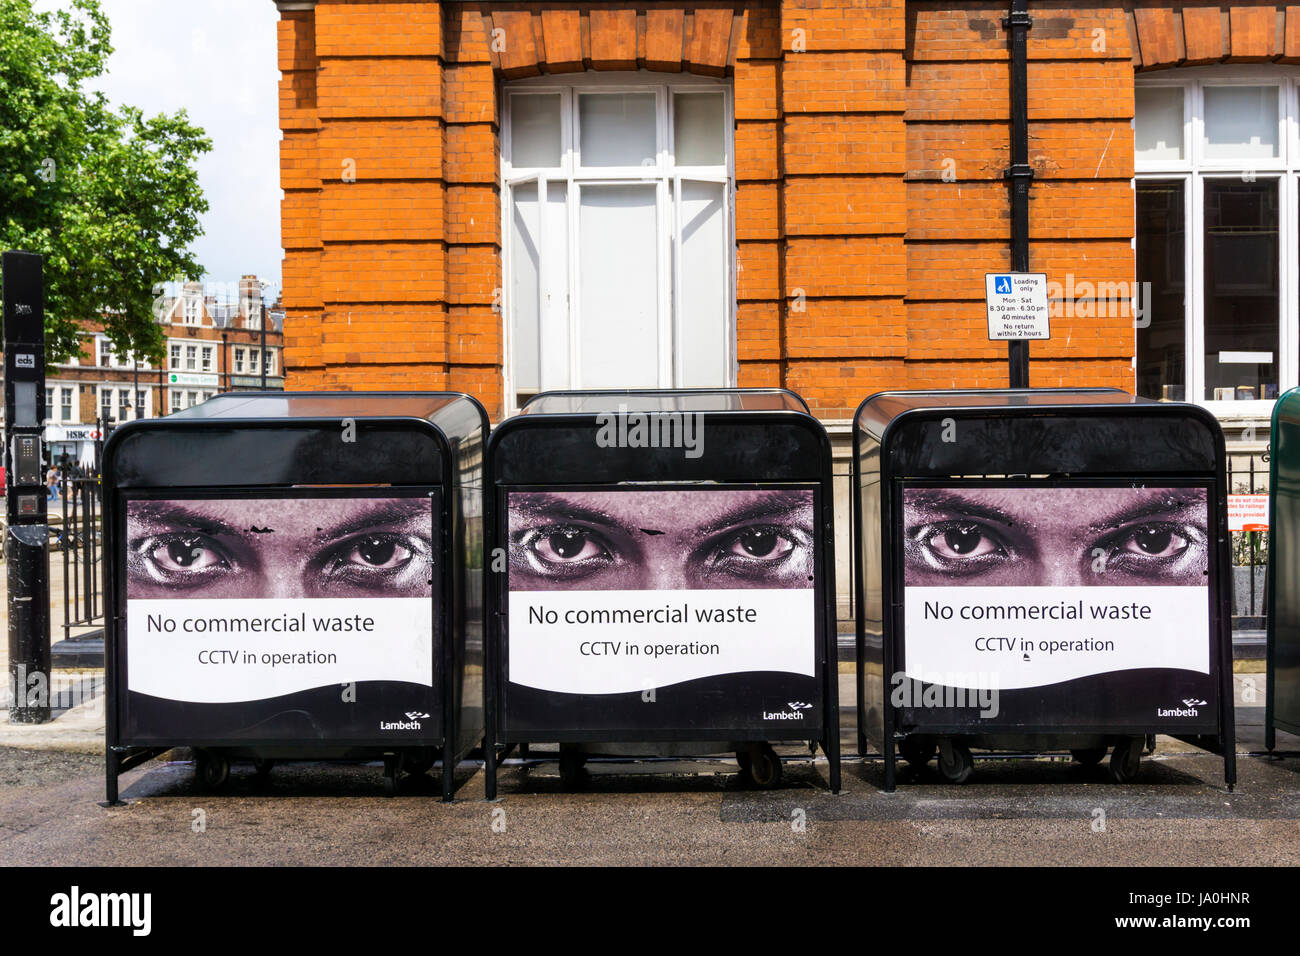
x=1019, y=19
x=1019, y=171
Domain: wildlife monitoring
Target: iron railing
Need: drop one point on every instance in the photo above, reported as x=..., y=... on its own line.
x=80, y=540
x=1248, y=475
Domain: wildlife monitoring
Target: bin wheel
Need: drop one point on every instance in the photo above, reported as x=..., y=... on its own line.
x=573, y=771
x=917, y=751
x=955, y=761
x=418, y=760
x=1089, y=756
x=765, y=768
x=1126, y=759
x=390, y=775
x=262, y=767
x=212, y=769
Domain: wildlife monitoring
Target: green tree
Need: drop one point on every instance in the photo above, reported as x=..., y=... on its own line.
x=109, y=197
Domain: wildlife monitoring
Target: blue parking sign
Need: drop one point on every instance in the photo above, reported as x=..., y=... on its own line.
x=1002, y=285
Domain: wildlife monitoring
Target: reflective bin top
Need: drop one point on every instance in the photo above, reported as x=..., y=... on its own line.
x=660, y=435
x=1039, y=431
x=302, y=438
x=244, y=405
x=590, y=401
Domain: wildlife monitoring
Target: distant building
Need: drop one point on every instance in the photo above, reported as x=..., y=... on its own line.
x=211, y=347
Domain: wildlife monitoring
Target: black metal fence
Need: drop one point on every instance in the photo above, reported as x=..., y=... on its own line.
x=1248, y=475
x=80, y=543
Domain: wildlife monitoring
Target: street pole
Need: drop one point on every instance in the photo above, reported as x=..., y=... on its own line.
x=1020, y=173
x=262, y=320
x=225, y=358
x=135, y=389
x=27, y=538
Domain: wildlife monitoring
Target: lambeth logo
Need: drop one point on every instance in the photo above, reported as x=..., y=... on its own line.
x=1002, y=285
x=411, y=723
x=794, y=711
x=1187, y=710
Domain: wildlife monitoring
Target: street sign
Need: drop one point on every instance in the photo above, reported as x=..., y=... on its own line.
x=193, y=378
x=1017, y=305
x=1247, y=512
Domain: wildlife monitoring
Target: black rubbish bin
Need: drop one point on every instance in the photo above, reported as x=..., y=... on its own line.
x=1282, y=695
x=296, y=576
x=1040, y=569
x=661, y=573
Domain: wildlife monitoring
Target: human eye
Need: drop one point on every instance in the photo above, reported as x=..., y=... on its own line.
x=377, y=559
x=564, y=550
x=763, y=551
x=180, y=558
x=958, y=546
x=1153, y=548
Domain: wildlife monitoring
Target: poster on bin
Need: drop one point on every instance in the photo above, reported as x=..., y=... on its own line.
x=665, y=609
x=282, y=617
x=1082, y=605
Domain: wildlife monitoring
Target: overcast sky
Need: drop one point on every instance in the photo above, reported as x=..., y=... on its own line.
x=215, y=58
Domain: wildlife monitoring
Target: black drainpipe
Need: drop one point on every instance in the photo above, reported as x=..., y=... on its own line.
x=1020, y=173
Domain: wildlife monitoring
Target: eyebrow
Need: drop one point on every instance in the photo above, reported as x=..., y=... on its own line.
x=772, y=503
x=962, y=504
x=1177, y=501
x=565, y=509
x=390, y=512
x=172, y=514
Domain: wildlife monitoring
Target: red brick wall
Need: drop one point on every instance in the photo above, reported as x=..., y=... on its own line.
x=871, y=139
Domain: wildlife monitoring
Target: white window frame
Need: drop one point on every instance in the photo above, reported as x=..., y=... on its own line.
x=68, y=392
x=574, y=175
x=239, y=361
x=1192, y=170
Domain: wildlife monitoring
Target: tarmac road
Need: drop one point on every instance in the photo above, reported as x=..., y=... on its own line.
x=1014, y=812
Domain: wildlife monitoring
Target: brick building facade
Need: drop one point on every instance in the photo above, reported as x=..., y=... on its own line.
x=862, y=179
x=210, y=346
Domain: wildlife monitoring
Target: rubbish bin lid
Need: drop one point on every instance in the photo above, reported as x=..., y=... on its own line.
x=877, y=411
x=591, y=401
x=245, y=405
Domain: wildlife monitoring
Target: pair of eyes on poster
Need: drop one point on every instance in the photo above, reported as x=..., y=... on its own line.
x=1063, y=536
x=311, y=547
x=374, y=547
x=651, y=540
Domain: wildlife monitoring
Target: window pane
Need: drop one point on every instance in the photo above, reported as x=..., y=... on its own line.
x=1159, y=125
x=1240, y=122
x=618, y=129
x=535, y=130
x=525, y=298
x=1241, y=289
x=1161, y=333
x=618, y=287
x=698, y=129
x=702, y=311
